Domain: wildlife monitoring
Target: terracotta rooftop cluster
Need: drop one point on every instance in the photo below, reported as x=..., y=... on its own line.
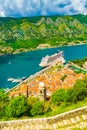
x=52, y=79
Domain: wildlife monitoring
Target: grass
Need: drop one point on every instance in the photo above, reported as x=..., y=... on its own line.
x=63, y=108
x=67, y=107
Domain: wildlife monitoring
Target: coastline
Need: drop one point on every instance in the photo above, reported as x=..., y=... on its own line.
x=81, y=45
x=56, y=47
x=34, y=49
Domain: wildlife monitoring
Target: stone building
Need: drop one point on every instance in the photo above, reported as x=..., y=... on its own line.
x=42, y=91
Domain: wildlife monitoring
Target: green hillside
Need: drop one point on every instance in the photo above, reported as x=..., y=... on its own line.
x=26, y=33
x=81, y=18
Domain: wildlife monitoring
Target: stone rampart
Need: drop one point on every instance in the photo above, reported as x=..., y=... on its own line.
x=49, y=123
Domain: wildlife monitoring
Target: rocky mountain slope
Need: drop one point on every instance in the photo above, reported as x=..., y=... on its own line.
x=26, y=33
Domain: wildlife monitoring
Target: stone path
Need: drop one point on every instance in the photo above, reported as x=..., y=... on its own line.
x=73, y=122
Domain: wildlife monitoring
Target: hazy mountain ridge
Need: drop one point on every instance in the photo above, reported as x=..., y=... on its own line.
x=30, y=32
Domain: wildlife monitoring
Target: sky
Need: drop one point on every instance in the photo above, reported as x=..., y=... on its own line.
x=26, y=8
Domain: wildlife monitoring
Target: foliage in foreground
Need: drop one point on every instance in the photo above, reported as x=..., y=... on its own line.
x=18, y=107
x=60, y=101
x=77, y=93
x=37, y=108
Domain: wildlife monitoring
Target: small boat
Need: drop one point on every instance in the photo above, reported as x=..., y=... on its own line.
x=16, y=81
x=13, y=80
x=10, y=79
x=48, y=60
x=23, y=78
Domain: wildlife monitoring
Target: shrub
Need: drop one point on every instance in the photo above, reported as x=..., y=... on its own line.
x=3, y=96
x=58, y=96
x=32, y=100
x=37, y=108
x=63, y=78
x=71, y=96
x=18, y=107
x=4, y=100
x=78, y=92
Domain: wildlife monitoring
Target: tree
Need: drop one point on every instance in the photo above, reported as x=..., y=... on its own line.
x=3, y=96
x=37, y=108
x=85, y=81
x=78, y=92
x=63, y=77
x=80, y=89
x=3, y=111
x=4, y=100
x=71, y=96
x=32, y=100
x=58, y=96
x=18, y=107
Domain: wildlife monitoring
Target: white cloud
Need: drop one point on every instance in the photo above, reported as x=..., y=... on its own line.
x=80, y=6
x=41, y=7
x=2, y=14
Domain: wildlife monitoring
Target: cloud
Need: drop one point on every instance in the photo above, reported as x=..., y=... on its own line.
x=80, y=6
x=19, y=8
x=2, y=13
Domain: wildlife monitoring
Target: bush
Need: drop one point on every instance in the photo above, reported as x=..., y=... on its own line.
x=63, y=78
x=58, y=97
x=32, y=100
x=3, y=111
x=3, y=96
x=37, y=108
x=71, y=96
x=85, y=81
x=78, y=92
x=18, y=107
x=4, y=100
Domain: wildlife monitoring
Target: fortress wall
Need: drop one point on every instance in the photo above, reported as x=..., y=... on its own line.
x=49, y=123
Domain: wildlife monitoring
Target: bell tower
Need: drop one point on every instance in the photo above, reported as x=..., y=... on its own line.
x=42, y=91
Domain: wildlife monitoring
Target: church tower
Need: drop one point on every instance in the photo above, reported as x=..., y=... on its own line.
x=42, y=91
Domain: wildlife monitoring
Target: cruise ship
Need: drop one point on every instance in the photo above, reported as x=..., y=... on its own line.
x=48, y=60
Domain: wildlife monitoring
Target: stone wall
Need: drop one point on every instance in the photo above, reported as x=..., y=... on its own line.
x=49, y=123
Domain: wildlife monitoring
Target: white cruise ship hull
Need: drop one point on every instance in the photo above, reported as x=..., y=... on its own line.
x=49, y=60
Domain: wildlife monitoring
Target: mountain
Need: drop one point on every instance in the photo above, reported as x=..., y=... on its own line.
x=81, y=18
x=25, y=33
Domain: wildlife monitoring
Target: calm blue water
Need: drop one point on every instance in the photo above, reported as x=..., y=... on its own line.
x=26, y=64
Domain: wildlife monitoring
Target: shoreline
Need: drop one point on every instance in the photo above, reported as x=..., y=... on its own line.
x=34, y=49
x=55, y=47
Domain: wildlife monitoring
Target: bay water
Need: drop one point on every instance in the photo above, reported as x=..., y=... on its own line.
x=27, y=63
